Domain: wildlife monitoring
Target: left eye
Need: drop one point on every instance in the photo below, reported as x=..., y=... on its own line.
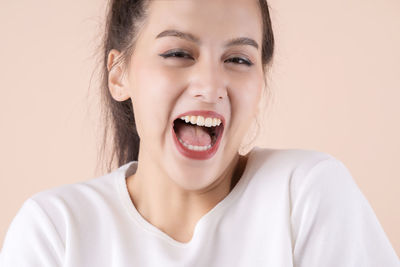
x=178, y=54
x=182, y=54
x=239, y=60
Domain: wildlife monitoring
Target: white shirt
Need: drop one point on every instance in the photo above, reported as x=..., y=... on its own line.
x=290, y=208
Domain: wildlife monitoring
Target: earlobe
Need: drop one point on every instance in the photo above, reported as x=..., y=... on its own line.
x=116, y=82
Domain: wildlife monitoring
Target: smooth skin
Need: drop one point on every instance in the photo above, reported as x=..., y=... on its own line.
x=171, y=191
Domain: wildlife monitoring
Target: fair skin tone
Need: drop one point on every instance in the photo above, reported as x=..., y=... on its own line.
x=169, y=190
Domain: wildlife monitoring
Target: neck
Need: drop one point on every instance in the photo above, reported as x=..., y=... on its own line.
x=171, y=208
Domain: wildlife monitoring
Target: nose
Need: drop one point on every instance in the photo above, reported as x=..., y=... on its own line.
x=209, y=82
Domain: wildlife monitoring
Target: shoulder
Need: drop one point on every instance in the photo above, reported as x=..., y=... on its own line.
x=68, y=203
x=314, y=182
x=64, y=207
x=297, y=169
x=89, y=190
x=49, y=219
x=77, y=192
x=294, y=162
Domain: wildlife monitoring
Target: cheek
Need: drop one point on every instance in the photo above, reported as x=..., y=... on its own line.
x=154, y=94
x=156, y=82
x=247, y=94
x=245, y=99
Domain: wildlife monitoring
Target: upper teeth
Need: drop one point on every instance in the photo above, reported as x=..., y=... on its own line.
x=201, y=121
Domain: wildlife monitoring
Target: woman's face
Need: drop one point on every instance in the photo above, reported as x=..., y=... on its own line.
x=208, y=72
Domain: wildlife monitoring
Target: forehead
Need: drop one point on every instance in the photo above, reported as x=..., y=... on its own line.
x=208, y=20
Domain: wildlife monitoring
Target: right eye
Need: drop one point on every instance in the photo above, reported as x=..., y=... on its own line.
x=177, y=54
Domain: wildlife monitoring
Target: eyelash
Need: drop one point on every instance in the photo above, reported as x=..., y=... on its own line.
x=186, y=55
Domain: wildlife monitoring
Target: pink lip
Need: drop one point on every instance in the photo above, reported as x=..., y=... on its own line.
x=202, y=155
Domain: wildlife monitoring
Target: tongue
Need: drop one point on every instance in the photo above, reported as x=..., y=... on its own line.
x=194, y=135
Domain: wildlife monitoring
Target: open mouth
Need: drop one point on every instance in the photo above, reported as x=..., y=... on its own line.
x=198, y=136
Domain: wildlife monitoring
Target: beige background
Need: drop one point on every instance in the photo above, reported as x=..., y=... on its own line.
x=335, y=83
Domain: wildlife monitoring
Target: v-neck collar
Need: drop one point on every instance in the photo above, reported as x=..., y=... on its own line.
x=130, y=168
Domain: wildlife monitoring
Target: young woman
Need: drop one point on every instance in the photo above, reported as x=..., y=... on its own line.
x=183, y=81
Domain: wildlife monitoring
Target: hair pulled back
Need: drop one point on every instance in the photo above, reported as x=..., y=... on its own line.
x=123, y=22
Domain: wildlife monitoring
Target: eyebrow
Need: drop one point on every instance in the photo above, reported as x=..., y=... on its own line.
x=192, y=38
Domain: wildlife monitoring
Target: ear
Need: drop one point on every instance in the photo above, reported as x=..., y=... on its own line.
x=117, y=84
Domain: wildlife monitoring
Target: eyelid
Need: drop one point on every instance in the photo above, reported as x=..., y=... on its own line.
x=172, y=51
x=248, y=62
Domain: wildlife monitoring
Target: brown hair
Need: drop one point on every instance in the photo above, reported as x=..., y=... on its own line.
x=123, y=21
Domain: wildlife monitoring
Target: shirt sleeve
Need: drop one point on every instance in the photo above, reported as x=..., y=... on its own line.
x=334, y=225
x=31, y=240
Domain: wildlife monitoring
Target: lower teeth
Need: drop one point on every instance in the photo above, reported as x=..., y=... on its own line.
x=194, y=148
